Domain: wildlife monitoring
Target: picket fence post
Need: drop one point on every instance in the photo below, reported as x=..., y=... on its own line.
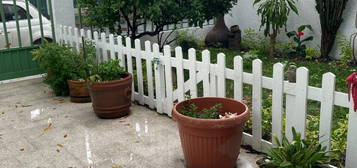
x=257, y=104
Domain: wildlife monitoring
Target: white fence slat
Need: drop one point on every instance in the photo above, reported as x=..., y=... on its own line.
x=150, y=82
x=168, y=79
x=128, y=52
x=111, y=46
x=97, y=45
x=159, y=80
x=193, y=70
x=89, y=35
x=76, y=39
x=302, y=81
x=139, y=71
x=206, y=60
x=70, y=36
x=326, y=109
x=221, y=75
x=103, y=40
x=277, y=97
x=238, y=78
x=257, y=104
x=120, y=50
x=180, y=74
x=351, y=153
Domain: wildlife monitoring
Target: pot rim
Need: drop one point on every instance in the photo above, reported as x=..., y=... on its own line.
x=128, y=77
x=211, y=123
x=76, y=81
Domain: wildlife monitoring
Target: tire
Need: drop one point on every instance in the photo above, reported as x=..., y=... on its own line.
x=39, y=41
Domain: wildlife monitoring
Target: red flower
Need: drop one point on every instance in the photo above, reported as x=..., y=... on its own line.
x=300, y=34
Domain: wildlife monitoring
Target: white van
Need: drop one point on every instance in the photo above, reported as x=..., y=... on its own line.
x=23, y=24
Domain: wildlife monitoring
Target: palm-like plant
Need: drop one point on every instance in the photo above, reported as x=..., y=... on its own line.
x=296, y=154
x=274, y=15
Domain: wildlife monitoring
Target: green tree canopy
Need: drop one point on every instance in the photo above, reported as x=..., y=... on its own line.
x=111, y=13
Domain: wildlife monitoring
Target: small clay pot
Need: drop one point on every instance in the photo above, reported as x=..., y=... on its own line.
x=111, y=99
x=78, y=91
x=211, y=143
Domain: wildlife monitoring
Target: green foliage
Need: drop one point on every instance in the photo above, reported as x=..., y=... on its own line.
x=107, y=71
x=331, y=17
x=274, y=14
x=110, y=13
x=296, y=154
x=253, y=40
x=187, y=41
x=300, y=47
x=59, y=62
x=312, y=53
x=346, y=52
x=192, y=110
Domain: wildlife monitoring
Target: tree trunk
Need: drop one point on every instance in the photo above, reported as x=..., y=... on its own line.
x=272, y=43
x=327, y=41
x=219, y=34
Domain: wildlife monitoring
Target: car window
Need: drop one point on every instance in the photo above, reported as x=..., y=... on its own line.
x=10, y=13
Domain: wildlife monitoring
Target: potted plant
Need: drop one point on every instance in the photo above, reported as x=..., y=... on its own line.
x=110, y=89
x=211, y=130
x=80, y=63
x=66, y=70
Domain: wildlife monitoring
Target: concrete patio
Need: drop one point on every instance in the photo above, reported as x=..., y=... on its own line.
x=40, y=130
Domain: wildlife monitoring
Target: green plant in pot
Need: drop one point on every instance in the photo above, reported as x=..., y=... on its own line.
x=211, y=130
x=66, y=70
x=80, y=63
x=110, y=89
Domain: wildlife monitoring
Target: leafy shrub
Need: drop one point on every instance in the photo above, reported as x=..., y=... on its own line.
x=187, y=41
x=346, y=52
x=107, y=71
x=284, y=48
x=312, y=53
x=57, y=60
x=253, y=40
x=191, y=110
x=296, y=154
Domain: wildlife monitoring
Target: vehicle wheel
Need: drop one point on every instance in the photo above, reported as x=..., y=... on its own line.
x=39, y=41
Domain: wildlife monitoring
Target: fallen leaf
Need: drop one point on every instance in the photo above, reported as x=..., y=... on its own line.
x=28, y=105
x=65, y=136
x=22, y=149
x=18, y=102
x=57, y=150
x=127, y=125
x=49, y=127
x=121, y=121
x=42, y=134
x=60, y=145
x=3, y=113
x=115, y=167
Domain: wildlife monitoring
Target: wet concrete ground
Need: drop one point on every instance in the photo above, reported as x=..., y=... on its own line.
x=40, y=130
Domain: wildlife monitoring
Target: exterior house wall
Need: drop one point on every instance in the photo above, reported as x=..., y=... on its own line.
x=245, y=15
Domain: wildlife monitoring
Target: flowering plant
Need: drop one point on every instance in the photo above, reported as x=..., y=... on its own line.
x=298, y=37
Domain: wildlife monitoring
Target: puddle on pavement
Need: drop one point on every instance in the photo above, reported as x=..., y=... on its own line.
x=35, y=114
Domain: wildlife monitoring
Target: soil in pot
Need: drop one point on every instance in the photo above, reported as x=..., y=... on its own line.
x=211, y=143
x=78, y=91
x=111, y=99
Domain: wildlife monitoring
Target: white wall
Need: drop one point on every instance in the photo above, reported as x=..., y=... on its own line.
x=245, y=15
x=63, y=12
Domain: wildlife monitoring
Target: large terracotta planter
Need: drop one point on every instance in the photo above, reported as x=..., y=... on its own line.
x=211, y=143
x=78, y=91
x=111, y=99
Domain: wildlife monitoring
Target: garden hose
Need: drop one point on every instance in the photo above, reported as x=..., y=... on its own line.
x=353, y=41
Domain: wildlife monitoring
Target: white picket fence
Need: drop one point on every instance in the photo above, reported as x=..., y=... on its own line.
x=162, y=95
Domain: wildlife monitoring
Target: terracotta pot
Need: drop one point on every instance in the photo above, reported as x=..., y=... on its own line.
x=111, y=99
x=211, y=143
x=78, y=91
